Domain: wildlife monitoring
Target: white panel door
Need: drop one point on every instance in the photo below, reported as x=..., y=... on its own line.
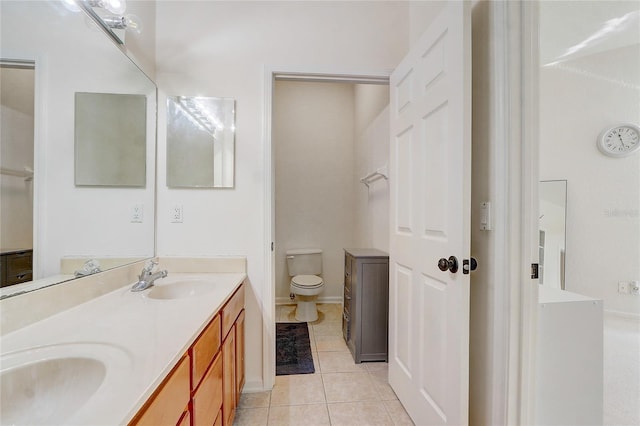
x=430, y=170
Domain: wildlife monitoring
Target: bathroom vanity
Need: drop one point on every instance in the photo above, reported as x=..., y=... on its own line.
x=171, y=354
x=366, y=304
x=204, y=387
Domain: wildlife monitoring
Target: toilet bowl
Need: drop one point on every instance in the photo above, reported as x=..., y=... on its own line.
x=304, y=265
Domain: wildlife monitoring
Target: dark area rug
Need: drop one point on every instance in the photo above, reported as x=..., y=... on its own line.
x=293, y=349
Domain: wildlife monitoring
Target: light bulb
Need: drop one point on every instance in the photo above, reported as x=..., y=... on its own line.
x=133, y=23
x=115, y=6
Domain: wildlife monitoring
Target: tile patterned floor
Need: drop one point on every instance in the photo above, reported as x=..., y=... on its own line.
x=340, y=392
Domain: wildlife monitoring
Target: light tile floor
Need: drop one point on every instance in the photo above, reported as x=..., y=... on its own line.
x=340, y=392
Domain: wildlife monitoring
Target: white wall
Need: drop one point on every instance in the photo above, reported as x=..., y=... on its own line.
x=16, y=141
x=371, y=153
x=221, y=49
x=578, y=99
x=313, y=139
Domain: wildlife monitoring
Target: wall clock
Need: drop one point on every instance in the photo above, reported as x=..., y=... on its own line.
x=619, y=140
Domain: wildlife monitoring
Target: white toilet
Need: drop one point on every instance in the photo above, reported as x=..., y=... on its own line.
x=304, y=266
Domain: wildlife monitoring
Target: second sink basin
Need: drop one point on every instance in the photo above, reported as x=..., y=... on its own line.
x=180, y=289
x=50, y=391
x=50, y=384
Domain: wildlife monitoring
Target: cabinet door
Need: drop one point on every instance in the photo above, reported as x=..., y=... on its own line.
x=207, y=399
x=229, y=378
x=239, y=354
x=170, y=401
x=374, y=311
x=204, y=349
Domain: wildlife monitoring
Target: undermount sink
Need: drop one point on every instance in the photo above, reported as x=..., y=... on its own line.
x=50, y=391
x=50, y=384
x=180, y=289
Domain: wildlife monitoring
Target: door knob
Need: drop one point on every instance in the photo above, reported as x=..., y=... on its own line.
x=451, y=264
x=469, y=265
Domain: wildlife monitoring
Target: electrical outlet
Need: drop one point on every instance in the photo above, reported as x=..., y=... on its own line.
x=634, y=288
x=176, y=214
x=137, y=213
x=623, y=287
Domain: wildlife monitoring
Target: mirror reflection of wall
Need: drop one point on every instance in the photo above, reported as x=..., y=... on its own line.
x=200, y=142
x=552, y=226
x=110, y=139
x=16, y=171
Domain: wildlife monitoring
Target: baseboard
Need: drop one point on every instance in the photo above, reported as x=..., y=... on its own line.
x=254, y=386
x=325, y=299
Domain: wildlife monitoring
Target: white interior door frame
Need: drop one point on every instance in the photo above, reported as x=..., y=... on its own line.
x=297, y=73
x=514, y=35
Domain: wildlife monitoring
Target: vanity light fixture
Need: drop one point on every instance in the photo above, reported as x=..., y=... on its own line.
x=108, y=22
x=199, y=115
x=128, y=22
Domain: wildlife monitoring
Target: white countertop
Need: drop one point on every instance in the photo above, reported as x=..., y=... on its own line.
x=548, y=294
x=140, y=339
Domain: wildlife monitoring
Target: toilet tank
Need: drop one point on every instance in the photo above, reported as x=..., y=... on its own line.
x=304, y=262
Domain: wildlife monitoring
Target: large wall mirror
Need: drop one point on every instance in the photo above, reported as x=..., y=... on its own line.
x=200, y=142
x=552, y=229
x=68, y=54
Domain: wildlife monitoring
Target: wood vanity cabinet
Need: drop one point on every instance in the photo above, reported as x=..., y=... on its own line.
x=232, y=355
x=204, y=388
x=366, y=304
x=206, y=375
x=170, y=400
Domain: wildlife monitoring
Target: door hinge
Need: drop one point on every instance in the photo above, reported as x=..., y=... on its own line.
x=272, y=245
x=534, y=271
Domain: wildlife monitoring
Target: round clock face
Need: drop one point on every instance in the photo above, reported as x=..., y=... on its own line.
x=619, y=140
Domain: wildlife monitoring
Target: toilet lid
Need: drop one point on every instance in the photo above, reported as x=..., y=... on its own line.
x=307, y=281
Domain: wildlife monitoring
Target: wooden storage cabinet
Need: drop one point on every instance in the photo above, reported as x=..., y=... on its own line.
x=366, y=304
x=16, y=267
x=204, y=388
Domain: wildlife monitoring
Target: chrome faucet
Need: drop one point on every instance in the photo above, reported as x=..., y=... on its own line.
x=147, y=276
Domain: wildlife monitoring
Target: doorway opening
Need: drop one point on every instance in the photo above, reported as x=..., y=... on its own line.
x=17, y=79
x=313, y=134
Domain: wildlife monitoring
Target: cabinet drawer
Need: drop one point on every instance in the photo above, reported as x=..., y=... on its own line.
x=204, y=349
x=17, y=268
x=18, y=263
x=347, y=272
x=347, y=301
x=207, y=400
x=231, y=310
x=171, y=399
